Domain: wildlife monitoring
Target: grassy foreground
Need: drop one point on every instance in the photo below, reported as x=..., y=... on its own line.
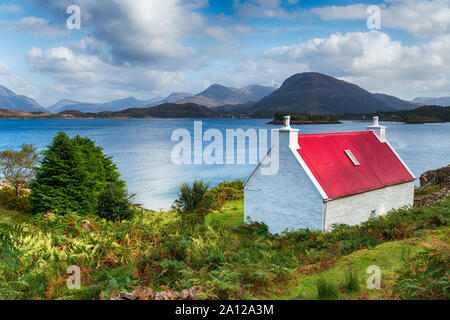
x=226, y=259
x=389, y=256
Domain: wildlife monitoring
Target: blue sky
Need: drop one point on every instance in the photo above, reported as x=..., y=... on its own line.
x=150, y=48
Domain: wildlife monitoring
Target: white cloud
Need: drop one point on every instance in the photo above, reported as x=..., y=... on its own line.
x=15, y=82
x=350, y=12
x=35, y=26
x=220, y=33
x=420, y=17
x=86, y=70
x=372, y=60
x=227, y=33
x=264, y=9
x=10, y=8
x=138, y=31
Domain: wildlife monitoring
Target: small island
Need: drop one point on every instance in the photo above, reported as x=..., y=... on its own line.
x=303, y=118
x=424, y=114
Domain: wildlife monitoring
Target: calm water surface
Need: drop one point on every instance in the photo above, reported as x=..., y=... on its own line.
x=142, y=148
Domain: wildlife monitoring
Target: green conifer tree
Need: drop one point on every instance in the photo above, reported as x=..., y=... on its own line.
x=72, y=174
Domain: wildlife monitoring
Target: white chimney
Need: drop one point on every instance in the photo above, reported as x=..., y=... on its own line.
x=380, y=131
x=287, y=135
x=287, y=121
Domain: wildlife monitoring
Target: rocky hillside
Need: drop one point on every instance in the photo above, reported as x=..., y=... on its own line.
x=434, y=185
x=439, y=176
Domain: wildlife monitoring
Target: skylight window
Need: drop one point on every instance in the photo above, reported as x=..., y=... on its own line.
x=352, y=157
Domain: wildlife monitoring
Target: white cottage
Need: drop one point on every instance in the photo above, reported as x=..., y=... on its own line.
x=328, y=178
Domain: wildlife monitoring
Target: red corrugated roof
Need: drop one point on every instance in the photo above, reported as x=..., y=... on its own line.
x=325, y=156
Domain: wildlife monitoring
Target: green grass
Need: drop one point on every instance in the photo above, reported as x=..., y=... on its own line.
x=12, y=216
x=231, y=214
x=349, y=273
x=326, y=289
x=422, y=191
x=388, y=256
x=351, y=281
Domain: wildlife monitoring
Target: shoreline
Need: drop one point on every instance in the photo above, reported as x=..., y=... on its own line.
x=235, y=118
x=277, y=122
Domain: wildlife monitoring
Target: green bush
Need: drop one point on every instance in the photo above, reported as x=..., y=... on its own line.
x=195, y=202
x=227, y=191
x=9, y=199
x=235, y=184
x=18, y=167
x=114, y=204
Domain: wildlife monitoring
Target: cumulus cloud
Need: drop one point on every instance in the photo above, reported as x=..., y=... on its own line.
x=138, y=31
x=372, y=60
x=420, y=17
x=35, y=26
x=81, y=71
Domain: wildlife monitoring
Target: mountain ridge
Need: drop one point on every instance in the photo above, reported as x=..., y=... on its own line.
x=217, y=95
x=317, y=93
x=12, y=101
x=441, y=101
x=115, y=105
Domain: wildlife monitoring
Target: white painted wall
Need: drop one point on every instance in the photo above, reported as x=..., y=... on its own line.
x=357, y=208
x=286, y=200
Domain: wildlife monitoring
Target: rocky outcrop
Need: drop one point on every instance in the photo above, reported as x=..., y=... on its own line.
x=427, y=199
x=435, y=177
x=434, y=186
x=147, y=294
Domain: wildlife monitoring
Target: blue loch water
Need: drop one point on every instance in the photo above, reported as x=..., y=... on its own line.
x=142, y=148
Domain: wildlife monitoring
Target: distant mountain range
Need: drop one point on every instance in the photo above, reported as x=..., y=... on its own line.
x=214, y=95
x=317, y=93
x=442, y=101
x=309, y=92
x=396, y=103
x=218, y=95
x=12, y=101
x=115, y=105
